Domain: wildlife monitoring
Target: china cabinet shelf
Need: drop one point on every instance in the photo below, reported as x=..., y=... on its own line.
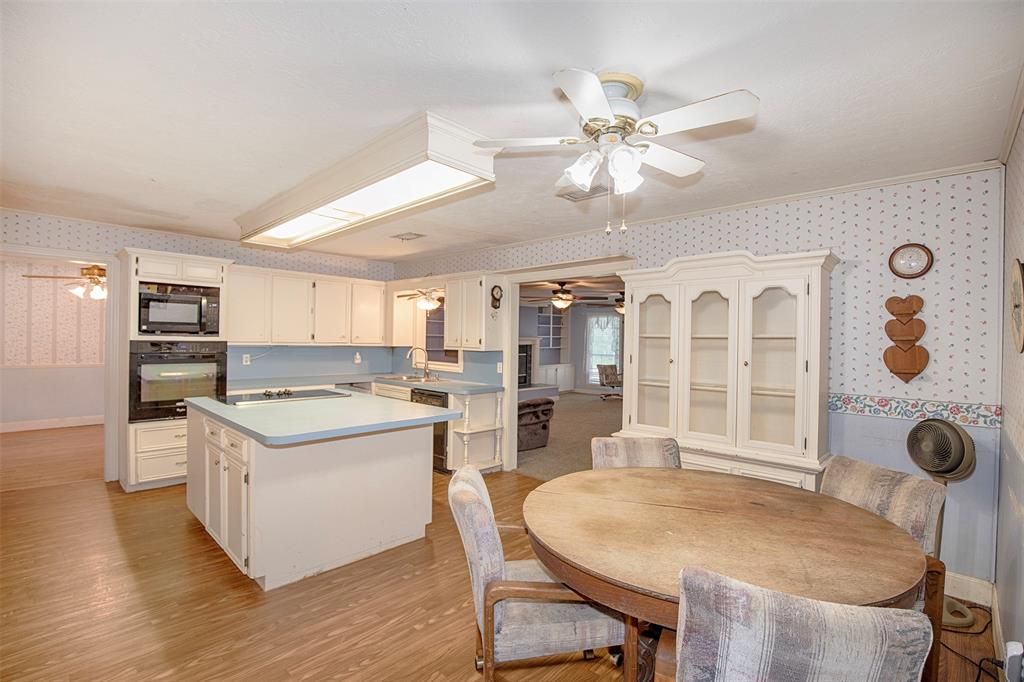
x=655, y=336
x=711, y=388
x=773, y=337
x=654, y=383
x=710, y=337
x=776, y=392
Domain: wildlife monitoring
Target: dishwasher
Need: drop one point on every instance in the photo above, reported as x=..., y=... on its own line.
x=437, y=399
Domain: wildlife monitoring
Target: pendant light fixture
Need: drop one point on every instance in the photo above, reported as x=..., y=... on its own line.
x=424, y=159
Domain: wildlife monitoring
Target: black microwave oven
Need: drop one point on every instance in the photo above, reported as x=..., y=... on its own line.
x=178, y=309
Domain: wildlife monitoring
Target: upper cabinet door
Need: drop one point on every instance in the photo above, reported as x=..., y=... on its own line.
x=453, y=306
x=156, y=267
x=473, y=312
x=651, y=364
x=248, y=307
x=331, y=311
x=367, y=313
x=709, y=361
x=772, y=365
x=201, y=271
x=292, y=310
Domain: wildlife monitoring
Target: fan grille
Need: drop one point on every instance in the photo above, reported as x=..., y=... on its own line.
x=941, y=448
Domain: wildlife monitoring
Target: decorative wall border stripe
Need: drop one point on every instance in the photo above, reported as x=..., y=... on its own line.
x=965, y=414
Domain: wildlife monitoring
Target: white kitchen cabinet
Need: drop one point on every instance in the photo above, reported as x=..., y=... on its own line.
x=153, y=266
x=368, y=311
x=404, y=318
x=292, y=310
x=160, y=267
x=214, y=492
x=748, y=394
x=392, y=391
x=249, y=306
x=235, y=495
x=471, y=322
x=331, y=317
x=156, y=452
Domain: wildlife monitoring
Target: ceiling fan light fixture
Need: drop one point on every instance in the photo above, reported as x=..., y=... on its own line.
x=76, y=290
x=624, y=166
x=424, y=159
x=581, y=173
x=561, y=303
x=98, y=293
x=427, y=303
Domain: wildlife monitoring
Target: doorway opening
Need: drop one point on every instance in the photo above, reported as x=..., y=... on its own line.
x=568, y=371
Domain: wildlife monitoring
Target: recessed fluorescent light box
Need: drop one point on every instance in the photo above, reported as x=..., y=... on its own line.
x=424, y=159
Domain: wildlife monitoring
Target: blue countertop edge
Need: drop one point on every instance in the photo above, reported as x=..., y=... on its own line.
x=425, y=415
x=443, y=386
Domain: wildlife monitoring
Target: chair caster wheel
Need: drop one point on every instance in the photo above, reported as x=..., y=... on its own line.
x=479, y=662
x=588, y=655
x=617, y=660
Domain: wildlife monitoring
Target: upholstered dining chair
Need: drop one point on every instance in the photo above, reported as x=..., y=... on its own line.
x=522, y=611
x=609, y=376
x=614, y=453
x=729, y=631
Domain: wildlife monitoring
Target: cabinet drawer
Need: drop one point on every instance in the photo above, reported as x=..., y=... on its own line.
x=168, y=465
x=389, y=391
x=233, y=443
x=773, y=474
x=149, y=438
x=213, y=430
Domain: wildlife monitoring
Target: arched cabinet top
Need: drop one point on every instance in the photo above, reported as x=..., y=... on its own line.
x=731, y=264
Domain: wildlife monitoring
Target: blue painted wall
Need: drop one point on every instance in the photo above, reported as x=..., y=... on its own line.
x=305, y=361
x=968, y=539
x=478, y=366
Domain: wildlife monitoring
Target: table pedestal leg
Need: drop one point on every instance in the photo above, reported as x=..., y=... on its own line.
x=638, y=651
x=630, y=650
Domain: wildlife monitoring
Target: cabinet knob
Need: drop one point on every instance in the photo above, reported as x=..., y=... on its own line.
x=216, y=462
x=670, y=361
x=746, y=364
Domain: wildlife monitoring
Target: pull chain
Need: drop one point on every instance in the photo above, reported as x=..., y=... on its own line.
x=608, y=208
x=622, y=227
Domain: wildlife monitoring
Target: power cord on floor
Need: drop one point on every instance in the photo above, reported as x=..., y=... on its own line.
x=980, y=663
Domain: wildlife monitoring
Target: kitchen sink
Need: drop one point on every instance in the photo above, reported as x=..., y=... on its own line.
x=413, y=379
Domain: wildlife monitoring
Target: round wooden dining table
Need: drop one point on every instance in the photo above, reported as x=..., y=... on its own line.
x=621, y=536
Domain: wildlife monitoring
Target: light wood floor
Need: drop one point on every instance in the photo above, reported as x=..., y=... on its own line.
x=96, y=584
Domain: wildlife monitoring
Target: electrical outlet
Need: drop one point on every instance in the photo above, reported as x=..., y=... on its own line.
x=1014, y=667
x=499, y=368
x=246, y=359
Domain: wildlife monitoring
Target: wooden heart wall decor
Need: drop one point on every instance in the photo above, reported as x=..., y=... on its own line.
x=905, y=359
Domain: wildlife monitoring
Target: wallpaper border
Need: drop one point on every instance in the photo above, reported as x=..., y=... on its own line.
x=965, y=414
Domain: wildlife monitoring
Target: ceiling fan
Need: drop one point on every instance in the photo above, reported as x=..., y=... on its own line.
x=93, y=278
x=613, y=129
x=563, y=297
x=426, y=299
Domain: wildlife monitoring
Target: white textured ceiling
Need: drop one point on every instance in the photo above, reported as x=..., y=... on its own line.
x=180, y=116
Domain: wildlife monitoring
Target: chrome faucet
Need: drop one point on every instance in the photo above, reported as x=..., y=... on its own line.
x=426, y=361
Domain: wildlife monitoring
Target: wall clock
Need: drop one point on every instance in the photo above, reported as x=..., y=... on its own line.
x=910, y=260
x=1017, y=304
x=496, y=294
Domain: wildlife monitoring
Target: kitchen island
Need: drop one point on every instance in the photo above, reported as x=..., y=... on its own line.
x=292, y=489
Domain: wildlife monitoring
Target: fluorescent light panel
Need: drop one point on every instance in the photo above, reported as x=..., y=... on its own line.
x=418, y=184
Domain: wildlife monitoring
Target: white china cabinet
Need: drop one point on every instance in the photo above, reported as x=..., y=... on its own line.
x=728, y=353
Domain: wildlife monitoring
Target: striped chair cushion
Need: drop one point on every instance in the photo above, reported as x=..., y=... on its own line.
x=614, y=453
x=730, y=631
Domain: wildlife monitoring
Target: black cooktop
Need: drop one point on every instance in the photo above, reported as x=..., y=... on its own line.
x=282, y=395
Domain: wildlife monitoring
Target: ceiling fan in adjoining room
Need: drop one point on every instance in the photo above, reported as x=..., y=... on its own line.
x=563, y=297
x=613, y=130
x=93, y=278
x=426, y=299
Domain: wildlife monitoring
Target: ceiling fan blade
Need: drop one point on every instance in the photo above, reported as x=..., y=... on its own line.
x=728, y=107
x=583, y=88
x=69, y=278
x=669, y=160
x=515, y=142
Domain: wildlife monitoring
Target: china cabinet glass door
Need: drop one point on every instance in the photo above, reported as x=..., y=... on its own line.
x=653, y=377
x=772, y=364
x=709, y=338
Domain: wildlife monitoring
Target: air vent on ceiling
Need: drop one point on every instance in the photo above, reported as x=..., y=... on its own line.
x=408, y=236
x=573, y=194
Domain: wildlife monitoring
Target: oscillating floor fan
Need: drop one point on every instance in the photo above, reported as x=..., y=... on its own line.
x=946, y=452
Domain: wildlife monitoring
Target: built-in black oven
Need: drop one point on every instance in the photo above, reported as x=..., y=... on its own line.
x=163, y=373
x=178, y=309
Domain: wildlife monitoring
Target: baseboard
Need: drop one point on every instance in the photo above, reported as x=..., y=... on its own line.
x=58, y=423
x=969, y=588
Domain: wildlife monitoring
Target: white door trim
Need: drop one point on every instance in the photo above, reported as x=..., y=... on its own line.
x=114, y=388
x=510, y=344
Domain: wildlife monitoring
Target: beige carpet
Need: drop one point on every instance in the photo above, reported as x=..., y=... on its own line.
x=578, y=417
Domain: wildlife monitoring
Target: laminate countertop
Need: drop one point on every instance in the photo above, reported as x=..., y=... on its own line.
x=305, y=421
x=443, y=386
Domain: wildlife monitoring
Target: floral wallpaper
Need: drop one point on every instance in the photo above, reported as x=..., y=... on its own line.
x=44, y=325
x=957, y=216
x=31, y=229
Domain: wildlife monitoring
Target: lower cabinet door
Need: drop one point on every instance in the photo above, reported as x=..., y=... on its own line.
x=214, y=486
x=236, y=510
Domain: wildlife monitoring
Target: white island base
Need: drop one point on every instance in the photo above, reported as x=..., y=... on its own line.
x=283, y=513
